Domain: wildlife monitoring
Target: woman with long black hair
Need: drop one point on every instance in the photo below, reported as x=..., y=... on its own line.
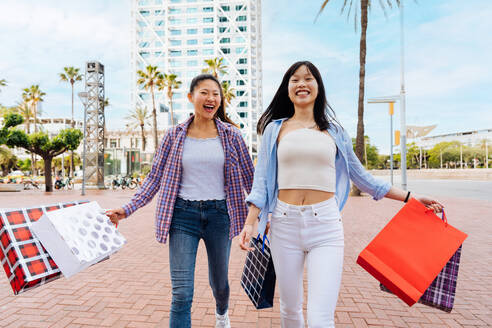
x=202, y=170
x=302, y=179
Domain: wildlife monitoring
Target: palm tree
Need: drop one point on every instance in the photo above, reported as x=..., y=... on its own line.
x=33, y=95
x=71, y=76
x=139, y=118
x=3, y=83
x=215, y=66
x=350, y=6
x=7, y=160
x=149, y=79
x=170, y=82
x=25, y=110
x=228, y=93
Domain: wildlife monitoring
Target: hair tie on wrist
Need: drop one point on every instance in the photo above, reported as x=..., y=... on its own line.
x=406, y=198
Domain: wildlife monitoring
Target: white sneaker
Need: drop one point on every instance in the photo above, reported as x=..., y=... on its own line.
x=222, y=321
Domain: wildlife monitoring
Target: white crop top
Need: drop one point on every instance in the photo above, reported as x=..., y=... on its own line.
x=306, y=160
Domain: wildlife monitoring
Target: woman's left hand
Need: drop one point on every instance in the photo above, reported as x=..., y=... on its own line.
x=430, y=203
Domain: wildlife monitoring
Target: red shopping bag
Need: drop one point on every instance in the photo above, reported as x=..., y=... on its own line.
x=410, y=251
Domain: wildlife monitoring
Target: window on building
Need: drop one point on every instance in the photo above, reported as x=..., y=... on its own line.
x=241, y=19
x=158, y=12
x=175, y=21
x=190, y=0
x=243, y=104
x=143, y=3
x=208, y=19
x=192, y=52
x=191, y=20
x=176, y=63
x=175, y=1
x=157, y=53
x=239, y=50
x=208, y=41
x=144, y=13
x=239, y=93
x=208, y=51
x=226, y=50
x=143, y=44
x=208, y=9
x=225, y=40
x=225, y=8
x=240, y=39
x=243, y=114
x=223, y=19
x=242, y=61
x=159, y=22
x=208, y=30
x=158, y=44
x=159, y=33
x=144, y=54
x=175, y=42
x=112, y=143
x=191, y=10
x=222, y=29
x=240, y=7
x=175, y=53
x=173, y=11
x=177, y=106
x=158, y=2
x=177, y=95
x=242, y=28
x=192, y=42
x=175, y=32
x=192, y=63
x=192, y=31
x=243, y=71
x=240, y=82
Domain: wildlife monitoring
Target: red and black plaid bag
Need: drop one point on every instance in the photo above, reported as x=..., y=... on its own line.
x=24, y=259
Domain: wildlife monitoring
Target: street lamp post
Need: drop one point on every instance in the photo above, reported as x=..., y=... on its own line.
x=83, y=99
x=403, y=128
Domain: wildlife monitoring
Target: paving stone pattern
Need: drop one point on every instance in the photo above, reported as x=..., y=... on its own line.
x=133, y=288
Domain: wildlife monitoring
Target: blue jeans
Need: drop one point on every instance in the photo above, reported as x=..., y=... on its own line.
x=192, y=221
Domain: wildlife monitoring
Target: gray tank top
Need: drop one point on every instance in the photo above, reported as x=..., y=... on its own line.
x=203, y=169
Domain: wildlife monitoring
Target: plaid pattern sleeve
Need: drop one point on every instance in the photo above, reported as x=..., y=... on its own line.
x=152, y=182
x=247, y=168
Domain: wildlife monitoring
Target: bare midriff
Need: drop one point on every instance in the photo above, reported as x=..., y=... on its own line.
x=303, y=196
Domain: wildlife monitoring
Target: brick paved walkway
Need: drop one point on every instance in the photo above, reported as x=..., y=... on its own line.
x=133, y=289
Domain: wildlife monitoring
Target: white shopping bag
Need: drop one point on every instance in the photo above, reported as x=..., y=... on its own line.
x=77, y=237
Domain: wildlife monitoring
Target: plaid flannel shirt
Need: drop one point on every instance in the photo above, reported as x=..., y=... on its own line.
x=165, y=177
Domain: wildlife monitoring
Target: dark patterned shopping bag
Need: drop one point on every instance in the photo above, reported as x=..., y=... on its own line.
x=442, y=290
x=24, y=259
x=258, y=278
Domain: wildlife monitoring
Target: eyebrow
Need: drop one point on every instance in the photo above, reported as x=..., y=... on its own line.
x=205, y=89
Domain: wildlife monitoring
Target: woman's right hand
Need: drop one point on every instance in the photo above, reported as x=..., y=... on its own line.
x=116, y=215
x=245, y=237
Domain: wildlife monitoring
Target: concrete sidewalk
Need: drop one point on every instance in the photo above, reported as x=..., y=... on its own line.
x=133, y=288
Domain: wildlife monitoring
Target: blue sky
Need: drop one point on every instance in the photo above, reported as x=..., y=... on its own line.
x=448, y=74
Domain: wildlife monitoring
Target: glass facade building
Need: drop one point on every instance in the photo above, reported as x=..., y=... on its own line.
x=178, y=36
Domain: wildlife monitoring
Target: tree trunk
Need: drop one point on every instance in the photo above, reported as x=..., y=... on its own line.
x=48, y=180
x=170, y=96
x=143, y=136
x=154, y=117
x=72, y=163
x=359, y=140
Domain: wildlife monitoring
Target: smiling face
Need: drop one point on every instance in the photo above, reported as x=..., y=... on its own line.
x=303, y=88
x=206, y=98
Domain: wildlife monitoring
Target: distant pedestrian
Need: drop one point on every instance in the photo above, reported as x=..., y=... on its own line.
x=302, y=178
x=202, y=170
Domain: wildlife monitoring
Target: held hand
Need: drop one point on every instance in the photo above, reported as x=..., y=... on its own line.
x=430, y=203
x=116, y=215
x=245, y=237
x=267, y=228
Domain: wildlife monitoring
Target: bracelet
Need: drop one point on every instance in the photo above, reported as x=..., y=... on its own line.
x=406, y=198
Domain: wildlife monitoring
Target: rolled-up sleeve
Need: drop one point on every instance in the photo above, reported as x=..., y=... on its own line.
x=152, y=182
x=361, y=178
x=258, y=193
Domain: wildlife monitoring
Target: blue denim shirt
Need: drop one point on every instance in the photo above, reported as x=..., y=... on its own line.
x=348, y=167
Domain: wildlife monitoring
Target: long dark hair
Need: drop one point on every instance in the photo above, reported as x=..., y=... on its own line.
x=220, y=113
x=282, y=107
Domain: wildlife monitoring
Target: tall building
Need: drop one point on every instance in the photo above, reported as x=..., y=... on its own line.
x=178, y=36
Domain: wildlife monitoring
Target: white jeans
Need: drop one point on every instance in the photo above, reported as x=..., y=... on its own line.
x=311, y=234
